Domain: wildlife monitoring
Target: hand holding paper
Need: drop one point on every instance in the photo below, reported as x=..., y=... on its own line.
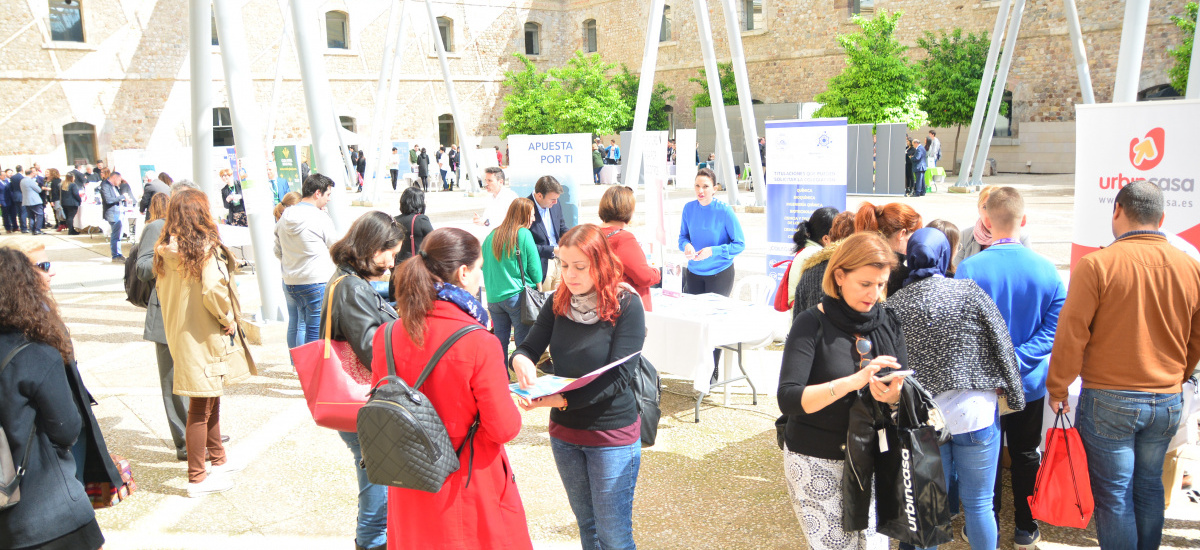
x=550, y=384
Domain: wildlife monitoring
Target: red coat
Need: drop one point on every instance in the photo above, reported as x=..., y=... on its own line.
x=471, y=378
x=637, y=272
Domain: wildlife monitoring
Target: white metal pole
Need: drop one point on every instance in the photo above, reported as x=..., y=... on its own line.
x=1129, y=60
x=745, y=102
x=1077, y=47
x=392, y=90
x=633, y=168
x=1193, y=89
x=200, y=50
x=320, y=112
x=248, y=142
x=724, y=152
x=387, y=63
x=1010, y=44
x=985, y=87
x=273, y=107
x=465, y=139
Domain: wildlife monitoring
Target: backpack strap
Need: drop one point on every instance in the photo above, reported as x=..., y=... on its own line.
x=437, y=355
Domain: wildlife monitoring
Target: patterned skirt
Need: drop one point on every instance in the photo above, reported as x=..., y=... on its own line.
x=815, y=485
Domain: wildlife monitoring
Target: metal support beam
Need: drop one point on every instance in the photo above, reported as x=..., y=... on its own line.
x=1193, y=88
x=320, y=113
x=1077, y=48
x=1010, y=44
x=985, y=87
x=724, y=153
x=393, y=89
x=379, y=126
x=273, y=107
x=641, y=113
x=199, y=49
x=1129, y=60
x=467, y=151
x=745, y=102
x=256, y=194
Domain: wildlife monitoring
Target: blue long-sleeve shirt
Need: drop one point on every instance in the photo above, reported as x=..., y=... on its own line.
x=1029, y=293
x=714, y=226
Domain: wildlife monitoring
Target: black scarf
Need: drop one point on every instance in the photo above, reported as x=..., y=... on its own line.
x=880, y=326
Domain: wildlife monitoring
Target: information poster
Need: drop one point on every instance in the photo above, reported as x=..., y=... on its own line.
x=685, y=158
x=654, y=174
x=807, y=171
x=567, y=157
x=148, y=173
x=1117, y=144
x=402, y=149
x=287, y=166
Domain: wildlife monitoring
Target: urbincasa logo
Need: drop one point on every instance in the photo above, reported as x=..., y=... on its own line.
x=1145, y=153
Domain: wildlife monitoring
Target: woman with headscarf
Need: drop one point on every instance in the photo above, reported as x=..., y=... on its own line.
x=960, y=350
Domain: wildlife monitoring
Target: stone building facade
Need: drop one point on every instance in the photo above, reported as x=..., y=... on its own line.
x=127, y=80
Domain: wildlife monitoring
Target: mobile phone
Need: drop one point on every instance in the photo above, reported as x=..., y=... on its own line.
x=886, y=377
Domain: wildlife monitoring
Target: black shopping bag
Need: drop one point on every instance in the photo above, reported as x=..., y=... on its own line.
x=911, y=503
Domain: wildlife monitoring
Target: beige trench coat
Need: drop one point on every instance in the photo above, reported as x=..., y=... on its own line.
x=194, y=315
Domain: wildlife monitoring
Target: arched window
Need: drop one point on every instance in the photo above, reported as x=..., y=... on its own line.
x=337, y=30
x=222, y=127
x=446, y=30
x=752, y=15
x=348, y=123
x=533, y=39
x=589, y=35
x=66, y=22
x=446, y=134
x=80, y=141
x=665, y=34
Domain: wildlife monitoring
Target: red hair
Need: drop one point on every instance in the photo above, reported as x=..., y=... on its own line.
x=887, y=219
x=605, y=269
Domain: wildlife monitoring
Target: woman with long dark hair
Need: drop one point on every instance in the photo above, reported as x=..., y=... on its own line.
x=468, y=386
x=201, y=310
x=811, y=236
x=595, y=432
x=413, y=221
x=508, y=252
x=423, y=169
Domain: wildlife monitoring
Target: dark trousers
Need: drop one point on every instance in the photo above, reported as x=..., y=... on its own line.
x=919, y=183
x=1024, y=432
x=395, y=175
x=204, y=434
x=175, y=406
x=37, y=217
x=9, y=223
x=70, y=211
x=717, y=283
x=908, y=181
x=425, y=183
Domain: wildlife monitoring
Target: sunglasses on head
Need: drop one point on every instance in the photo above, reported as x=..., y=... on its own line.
x=44, y=266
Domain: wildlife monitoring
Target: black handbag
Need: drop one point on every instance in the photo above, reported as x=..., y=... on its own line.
x=531, y=299
x=404, y=442
x=12, y=472
x=137, y=291
x=647, y=392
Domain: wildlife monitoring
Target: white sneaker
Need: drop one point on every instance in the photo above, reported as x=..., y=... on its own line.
x=211, y=484
x=230, y=466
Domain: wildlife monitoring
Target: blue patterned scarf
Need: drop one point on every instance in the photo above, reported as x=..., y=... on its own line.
x=463, y=299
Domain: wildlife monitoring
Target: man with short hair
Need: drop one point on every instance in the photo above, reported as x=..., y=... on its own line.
x=303, y=236
x=412, y=158
x=110, y=199
x=548, y=224
x=1029, y=294
x=393, y=164
x=935, y=148
x=34, y=209
x=920, y=158
x=455, y=157
x=15, y=197
x=502, y=196
x=153, y=187
x=279, y=186
x=612, y=155
x=1131, y=330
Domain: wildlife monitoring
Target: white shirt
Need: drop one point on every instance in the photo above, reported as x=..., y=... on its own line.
x=967, y=410
x=494, y=214
x=546, y=223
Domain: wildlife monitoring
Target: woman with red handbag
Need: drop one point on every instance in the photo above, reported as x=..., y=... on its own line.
x=353, y=310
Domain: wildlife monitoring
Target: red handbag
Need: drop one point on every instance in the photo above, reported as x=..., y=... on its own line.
x=334, y=381
x=1062, y=495
x=781, y=293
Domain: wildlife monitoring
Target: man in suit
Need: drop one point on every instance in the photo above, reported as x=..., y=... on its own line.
x=548, y=224
x=17, y=211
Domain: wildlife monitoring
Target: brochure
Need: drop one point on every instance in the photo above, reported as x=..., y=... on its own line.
x=550, y=384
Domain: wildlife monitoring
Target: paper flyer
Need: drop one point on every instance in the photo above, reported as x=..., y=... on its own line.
x=550, y=384
x=672, y=275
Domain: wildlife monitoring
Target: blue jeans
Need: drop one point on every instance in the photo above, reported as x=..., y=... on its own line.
x=114, y=238
x=600, y=483
x=972, y=459
x=506, y=319
x=1125, y=435
x=304, y=312
x=372, y=501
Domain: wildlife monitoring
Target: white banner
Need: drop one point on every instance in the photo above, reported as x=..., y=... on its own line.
x=1117, y=144
x=567, y=157
x=685, y=158
x=654, y=172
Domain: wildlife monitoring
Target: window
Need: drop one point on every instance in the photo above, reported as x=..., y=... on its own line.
x=533, y=39
x=213, y=19
x=665, y=34
x=1158, y=93
x=336, y=30
x=1004, y=126
x=66, y=24
x=589, y=35
x=348, y=123
x=446, y=30
x=446, y=134
x=80, y=141
x=864, y=7
x=752, y=14
x=222, y=127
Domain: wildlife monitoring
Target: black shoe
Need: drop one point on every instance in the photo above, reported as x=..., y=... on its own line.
x=181, y=455
x=118, y=258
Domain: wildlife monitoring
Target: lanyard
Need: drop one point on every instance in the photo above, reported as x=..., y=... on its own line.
x=999, y=242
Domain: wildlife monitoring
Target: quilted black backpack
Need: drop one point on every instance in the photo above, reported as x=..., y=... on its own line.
x=404, y=442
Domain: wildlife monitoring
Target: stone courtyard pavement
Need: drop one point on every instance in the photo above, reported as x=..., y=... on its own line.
x=716, y=484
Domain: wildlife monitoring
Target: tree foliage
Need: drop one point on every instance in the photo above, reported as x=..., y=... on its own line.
x=1183, y=54
x=879, y=84
x=952, y=73
x=728, y=87
x=626, y=82
x=575, y=98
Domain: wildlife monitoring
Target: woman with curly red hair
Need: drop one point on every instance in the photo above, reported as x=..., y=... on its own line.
x=595, y=432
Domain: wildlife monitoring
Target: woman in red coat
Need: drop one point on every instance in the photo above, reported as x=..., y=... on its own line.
x=616, y=210
x=437, y=299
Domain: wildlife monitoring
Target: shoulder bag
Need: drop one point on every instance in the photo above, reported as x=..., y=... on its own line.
x=10, y=473
x=531, y=299
x=1062, y=494
x=334, y=381
x=647, y=393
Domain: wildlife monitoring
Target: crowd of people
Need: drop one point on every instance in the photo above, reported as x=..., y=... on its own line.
x=984, y=324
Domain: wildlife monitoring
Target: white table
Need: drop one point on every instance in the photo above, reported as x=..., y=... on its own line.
x=236, y=236
x=610, y=173
x=682, y=332
x=92, y=215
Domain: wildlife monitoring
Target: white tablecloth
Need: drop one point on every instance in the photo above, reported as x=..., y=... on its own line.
x=682, y=331
x=92, y=215
x=610, y=173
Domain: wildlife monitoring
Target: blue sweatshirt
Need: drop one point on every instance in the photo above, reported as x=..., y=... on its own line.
x=714, y=226
x=1029, y=293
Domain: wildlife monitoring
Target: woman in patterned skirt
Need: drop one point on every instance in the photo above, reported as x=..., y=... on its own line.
x=833, y=351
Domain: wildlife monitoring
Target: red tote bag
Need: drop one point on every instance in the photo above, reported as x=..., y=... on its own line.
x=1062, y=495
x=781, y=292
x=334, y=381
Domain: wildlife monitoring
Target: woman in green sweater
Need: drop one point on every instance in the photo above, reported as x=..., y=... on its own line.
x=510, y=262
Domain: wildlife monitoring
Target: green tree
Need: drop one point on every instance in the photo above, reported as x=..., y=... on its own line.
x=576, y=98
x=529, y=101
x=952, y=72
x=1183, y=54
x=728, y=87
x=627, y=83
x=879, y=85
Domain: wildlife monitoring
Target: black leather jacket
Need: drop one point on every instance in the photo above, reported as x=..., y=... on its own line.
x=355, y=311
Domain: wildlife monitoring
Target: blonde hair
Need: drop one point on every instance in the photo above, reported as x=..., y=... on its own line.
x=858, y=250
x=23, y=244
x=983, y=195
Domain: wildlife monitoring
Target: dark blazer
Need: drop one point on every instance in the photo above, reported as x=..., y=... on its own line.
x=423, y=165
x=544, y=246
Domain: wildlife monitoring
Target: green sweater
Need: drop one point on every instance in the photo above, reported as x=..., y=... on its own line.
x=502, y=277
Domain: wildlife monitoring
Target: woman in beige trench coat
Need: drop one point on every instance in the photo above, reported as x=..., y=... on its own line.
x=200, y=309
